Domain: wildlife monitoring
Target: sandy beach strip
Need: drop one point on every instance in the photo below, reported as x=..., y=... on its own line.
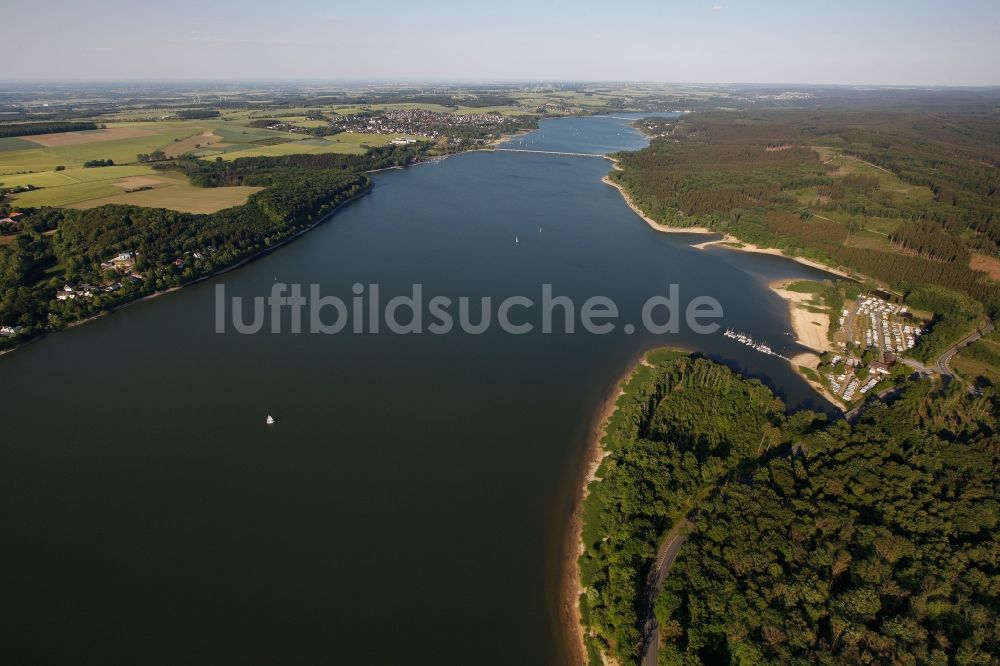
x=574, y=547
x=653, y=223
x=734, y=243
x=725, y=240
x=811, y=330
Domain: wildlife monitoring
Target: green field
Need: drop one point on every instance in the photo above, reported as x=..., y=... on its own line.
x=14, y=143
x=122, y=151
x=177, y=194
x=88, y=188
x=24, y=162
x=67, y=194
x=62, y=188
x=873, y=233
x=238, y=133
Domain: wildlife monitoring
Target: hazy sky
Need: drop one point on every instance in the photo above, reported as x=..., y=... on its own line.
x=802, y=41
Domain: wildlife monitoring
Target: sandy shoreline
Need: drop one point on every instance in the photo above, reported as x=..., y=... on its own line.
x=725, y=240
x=811, y=330
x=733, y=243
x=653, y=223
x=508, y=137
x=574, y=548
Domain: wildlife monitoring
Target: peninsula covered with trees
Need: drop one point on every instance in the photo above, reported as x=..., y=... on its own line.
x=806, y=541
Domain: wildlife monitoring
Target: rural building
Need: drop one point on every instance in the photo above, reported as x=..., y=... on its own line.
x=123, y=261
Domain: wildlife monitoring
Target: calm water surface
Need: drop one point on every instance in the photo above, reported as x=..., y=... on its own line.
x=410, y=504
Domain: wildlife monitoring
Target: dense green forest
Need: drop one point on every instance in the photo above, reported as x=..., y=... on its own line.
x=264, y=171
x=683, y=426
x=810, y=541
x=955, y=314
x=48, y=127
x=876, y=546
x=901, y=196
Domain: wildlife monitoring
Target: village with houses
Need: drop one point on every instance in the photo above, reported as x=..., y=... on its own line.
x=424, y=123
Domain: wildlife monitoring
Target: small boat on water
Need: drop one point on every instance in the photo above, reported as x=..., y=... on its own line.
x=270, y=420
x=515, y=240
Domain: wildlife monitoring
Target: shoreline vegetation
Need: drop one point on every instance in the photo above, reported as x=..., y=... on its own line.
x=680, y=437
x=594, y=455
x=41, y=334
x=575, y=548
x=656, y=414
x=202, y=278
x=725, y=240
x=806, y=332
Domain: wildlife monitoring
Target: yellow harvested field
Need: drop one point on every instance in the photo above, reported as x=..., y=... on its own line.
x=206, y=138
x=89, y=136
x=140, y=181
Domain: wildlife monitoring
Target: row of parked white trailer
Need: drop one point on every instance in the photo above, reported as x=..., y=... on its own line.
x=853, y=386
x=884, y=332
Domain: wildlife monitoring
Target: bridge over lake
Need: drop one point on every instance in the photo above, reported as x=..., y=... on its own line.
x=547, y=152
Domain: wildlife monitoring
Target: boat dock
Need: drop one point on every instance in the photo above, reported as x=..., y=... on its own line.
x=756, y=345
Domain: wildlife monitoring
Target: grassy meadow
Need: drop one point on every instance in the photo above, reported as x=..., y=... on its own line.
x=176, y=193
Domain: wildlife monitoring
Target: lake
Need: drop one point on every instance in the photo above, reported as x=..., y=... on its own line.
x=410, y=504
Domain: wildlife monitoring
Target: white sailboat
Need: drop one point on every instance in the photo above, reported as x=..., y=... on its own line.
x=515, y=240
x=270, y=420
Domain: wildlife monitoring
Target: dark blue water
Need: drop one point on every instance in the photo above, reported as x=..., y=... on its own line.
x=410, y=504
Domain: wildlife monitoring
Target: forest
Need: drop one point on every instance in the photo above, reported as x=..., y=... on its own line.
x=904, y=197
x=878, y=545
x=683, y=426
x=264, y=170
x=48, y=127
x=810, y=542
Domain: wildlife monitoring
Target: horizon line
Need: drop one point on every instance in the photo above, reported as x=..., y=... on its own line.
x=485, y=81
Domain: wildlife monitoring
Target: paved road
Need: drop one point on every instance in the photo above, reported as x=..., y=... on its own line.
x=940, y=367
x=942, y=363
x=665, y=556
x=918, y=366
